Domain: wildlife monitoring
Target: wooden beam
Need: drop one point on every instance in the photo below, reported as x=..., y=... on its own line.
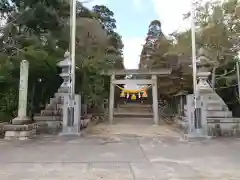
x=133, y=81
x=159, y=72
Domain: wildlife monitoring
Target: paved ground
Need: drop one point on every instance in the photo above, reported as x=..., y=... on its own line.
x=113, y=154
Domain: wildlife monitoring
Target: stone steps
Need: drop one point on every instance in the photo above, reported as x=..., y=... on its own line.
x=223, y=120
x=135, y=105
x=137, y=110
x=50, y=119
x=59, y=106
x=51, y=107
x=50, y=127
x=51, y=113
x=133, y=120
x=59, y=94
x=217, y=107
x=214, y=100
x=218, y=120
x=133, y=114
x=47, y=118
x=214, y=113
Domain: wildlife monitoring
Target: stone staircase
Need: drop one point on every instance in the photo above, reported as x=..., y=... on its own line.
x=50, y=119
x=219, y=117
x=136, y=112
x=216, y=107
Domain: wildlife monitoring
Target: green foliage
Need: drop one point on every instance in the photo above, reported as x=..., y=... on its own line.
x=38, y=30
x=8, y=103
x=105, y=16
x=217, y=29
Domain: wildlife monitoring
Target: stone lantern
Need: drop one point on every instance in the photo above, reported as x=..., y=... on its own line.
x=181, y=95
x=65, y=65
x=204, y=66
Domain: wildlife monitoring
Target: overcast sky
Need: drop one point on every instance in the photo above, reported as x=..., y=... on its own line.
x=134, y=16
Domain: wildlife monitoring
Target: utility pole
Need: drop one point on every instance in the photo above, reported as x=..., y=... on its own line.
x=238, y=79
x=194, y=58
x=72, y=57
x=194, y=67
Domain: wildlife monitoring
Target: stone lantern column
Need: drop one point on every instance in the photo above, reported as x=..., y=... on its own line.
x=204, y=66
x=65, y=65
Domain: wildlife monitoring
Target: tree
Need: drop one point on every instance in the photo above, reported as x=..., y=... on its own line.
x=105, y=16
x=218, y=31
x=38, y=31
x=218, y=28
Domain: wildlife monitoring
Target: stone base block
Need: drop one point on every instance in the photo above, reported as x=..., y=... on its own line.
x=25, y=127
x=49, y=127
x=70, y=134
x=42, y=128
x=196, y=137
x=228, y=129
x=21, y=120
x=20, y=132
x=71, y=131
x=20, y=135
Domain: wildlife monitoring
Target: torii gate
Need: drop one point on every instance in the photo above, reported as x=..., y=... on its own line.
x=153, y=81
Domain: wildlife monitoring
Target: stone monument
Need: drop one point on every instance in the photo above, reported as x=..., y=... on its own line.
x=22, y=98
x=22, y=126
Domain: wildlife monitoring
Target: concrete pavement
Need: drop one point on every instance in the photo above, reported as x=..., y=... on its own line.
x=116, y=156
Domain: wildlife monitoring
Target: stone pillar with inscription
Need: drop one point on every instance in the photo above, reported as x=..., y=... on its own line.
x=22, y=126
x=22, y=98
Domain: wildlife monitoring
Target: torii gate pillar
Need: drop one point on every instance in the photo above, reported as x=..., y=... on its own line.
x=111, y=99
x=155, y=100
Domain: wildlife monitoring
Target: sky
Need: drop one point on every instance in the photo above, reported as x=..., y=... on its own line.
x=134, y=16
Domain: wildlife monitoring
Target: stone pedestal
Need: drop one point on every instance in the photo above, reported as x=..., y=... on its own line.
x=196, y=135
x=20, y=132
x=75, y=127
x=21, y=120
